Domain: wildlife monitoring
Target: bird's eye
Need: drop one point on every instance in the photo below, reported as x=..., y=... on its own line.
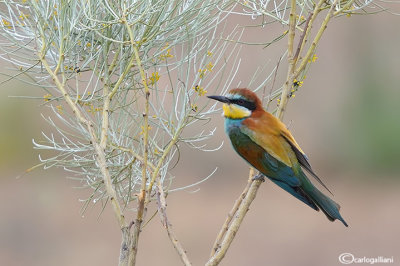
x=240, y=102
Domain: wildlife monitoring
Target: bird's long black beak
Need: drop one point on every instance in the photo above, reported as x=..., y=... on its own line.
x=220, y=98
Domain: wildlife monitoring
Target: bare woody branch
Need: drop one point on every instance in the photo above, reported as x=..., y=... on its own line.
x=235, y=224
x=162, y=210
x=142, y=194
x=231, y=214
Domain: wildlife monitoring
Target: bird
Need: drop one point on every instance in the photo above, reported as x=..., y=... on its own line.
x=266, y=144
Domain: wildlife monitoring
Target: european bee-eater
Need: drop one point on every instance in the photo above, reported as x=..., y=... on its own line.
x=265, y=143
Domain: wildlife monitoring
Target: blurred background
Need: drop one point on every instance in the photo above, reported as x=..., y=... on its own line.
x=346, y=117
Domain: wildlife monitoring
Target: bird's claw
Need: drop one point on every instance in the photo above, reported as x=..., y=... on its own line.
x=259, y=177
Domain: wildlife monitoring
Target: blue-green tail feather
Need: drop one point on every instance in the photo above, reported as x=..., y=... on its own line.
x=327, y=205
x=314, y=198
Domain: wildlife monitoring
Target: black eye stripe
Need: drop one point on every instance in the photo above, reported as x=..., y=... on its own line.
x=249, y=105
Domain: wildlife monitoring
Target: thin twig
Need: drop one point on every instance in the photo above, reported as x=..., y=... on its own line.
x=162, y=210
x=345, y=7
x=292, y=28
x=289, y=79
x=164, y=155
x=315, y=41
x=134, y=154
x=308, y=27
x=302, y=37
x=273, y=83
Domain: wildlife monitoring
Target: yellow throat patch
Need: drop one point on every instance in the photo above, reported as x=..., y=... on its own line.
x=233, y=111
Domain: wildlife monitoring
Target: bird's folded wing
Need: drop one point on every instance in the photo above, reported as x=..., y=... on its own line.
x=302, y=158
x=266, y=132
x=262, y=160
x=271, y=134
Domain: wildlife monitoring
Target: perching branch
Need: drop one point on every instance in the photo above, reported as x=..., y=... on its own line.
x=231, y=214
x=235, y=224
